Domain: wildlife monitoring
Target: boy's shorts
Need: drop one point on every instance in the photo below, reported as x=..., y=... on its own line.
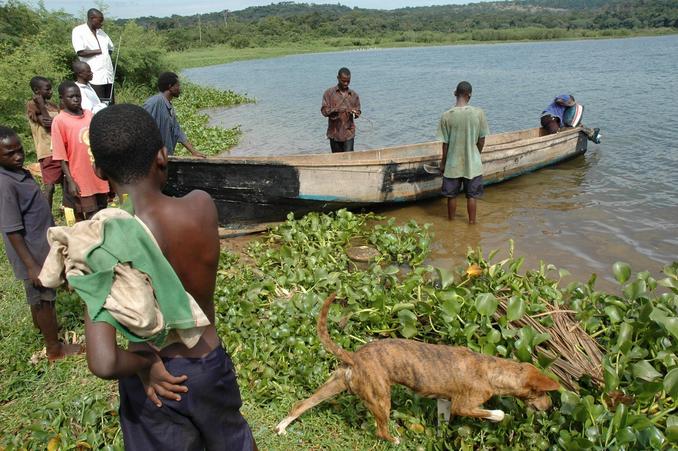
x=473, y=187
x=87, y=204
x=36, y=295
x=207, y=417
x=51, y=171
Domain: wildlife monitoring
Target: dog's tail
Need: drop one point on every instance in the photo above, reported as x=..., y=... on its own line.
x=324, y=335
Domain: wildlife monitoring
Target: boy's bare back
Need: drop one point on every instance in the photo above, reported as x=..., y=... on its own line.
x=186, y=230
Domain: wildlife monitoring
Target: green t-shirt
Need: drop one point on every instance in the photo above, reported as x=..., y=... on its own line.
x=460, y=128
x=126, y=241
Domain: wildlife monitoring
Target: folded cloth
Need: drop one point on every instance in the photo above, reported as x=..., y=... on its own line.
x=115, y=265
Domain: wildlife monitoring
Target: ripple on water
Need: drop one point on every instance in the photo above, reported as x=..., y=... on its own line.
x=619, y=202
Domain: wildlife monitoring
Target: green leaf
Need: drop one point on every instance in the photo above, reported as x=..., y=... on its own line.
x=645, y=371
x=486, y=304
x=540, y=338
x=406, y=316
x=652, y=437
x=446, y=277
x=670, y=323
x=671, y=384
x=626, y=435
x=452, y=304
x=545, y=360
x=613, y=313
x=672, y=434
x=610, y=376
x=408, y=331
x=636, y=289
x=568, y=401
x=619, y=419
x=494, y=336
x=621, y=271
x=672, y=420
x=391, y=270
x=516, y=308
x=625, y=336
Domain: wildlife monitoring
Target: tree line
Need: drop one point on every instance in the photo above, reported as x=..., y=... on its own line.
x=36, y=41
x=297, y=22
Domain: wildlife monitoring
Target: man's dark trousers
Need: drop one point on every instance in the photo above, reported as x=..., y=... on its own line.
x=341, y=146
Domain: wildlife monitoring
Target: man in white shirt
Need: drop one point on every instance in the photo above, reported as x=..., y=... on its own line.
x=90, y=99
x=94, y=47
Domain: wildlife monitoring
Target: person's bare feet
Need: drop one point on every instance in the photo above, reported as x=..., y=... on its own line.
x=64, y=350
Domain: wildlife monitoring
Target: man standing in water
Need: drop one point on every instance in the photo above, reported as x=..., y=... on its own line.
x=462, y=130
x=94, y=47
x=341, y=106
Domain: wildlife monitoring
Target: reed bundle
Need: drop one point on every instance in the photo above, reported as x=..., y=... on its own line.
x=576, y=353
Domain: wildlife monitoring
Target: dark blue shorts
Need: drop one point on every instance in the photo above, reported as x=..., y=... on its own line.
x=35, y=296
x=207, y=417
x=473, y=187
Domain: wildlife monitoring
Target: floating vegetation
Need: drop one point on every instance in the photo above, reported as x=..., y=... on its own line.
x=627, y=379
x=210, y=140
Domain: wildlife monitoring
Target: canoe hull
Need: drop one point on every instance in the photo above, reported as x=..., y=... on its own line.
x=266, y=189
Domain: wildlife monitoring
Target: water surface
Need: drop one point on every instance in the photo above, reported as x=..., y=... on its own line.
x=618, y=202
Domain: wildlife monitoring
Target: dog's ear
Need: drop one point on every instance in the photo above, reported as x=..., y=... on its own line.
x=537, y=381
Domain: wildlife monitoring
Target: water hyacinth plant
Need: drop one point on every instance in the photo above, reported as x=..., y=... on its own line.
x=210, y=140
x=267, y=315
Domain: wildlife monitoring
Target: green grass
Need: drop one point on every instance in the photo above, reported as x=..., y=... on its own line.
x=65, y=403
x=222, y=54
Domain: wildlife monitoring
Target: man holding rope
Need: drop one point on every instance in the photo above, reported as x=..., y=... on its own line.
x=94, y=47
x=341, y=105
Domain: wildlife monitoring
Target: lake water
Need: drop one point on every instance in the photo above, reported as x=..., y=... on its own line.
x=618, y=202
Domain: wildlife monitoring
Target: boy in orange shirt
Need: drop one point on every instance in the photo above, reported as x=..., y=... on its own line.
x=40, y=112
x=84, y=192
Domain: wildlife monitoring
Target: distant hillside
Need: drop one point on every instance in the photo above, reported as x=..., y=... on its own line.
x=295, y=22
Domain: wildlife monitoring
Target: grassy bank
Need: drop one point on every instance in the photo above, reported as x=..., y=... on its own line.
x=222, y=54
x=63, y=406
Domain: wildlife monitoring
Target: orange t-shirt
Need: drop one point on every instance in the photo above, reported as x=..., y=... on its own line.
x=70, y=142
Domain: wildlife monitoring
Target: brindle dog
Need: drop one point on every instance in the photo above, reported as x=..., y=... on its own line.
x=466, y=378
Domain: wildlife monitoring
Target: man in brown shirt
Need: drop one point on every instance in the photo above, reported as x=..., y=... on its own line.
x=341, y=106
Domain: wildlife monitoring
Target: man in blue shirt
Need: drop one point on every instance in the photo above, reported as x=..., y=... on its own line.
x=565, y=112
x=160, y=107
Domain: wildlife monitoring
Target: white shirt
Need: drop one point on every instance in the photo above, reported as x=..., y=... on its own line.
x=101, y=65
x=90, y=99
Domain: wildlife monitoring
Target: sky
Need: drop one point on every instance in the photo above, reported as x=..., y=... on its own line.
x=125, y=9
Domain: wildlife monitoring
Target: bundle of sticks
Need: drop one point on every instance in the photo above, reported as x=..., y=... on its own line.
x=576, y=353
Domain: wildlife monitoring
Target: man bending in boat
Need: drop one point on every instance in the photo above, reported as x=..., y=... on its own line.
x=462, y=130
x=341, y=106
x=565, y=112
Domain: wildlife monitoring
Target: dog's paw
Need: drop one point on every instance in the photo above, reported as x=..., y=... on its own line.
x=280, y=429
x=496, y=415
x=396, y=441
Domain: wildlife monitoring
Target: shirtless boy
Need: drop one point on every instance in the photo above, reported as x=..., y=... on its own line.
x=175, y=398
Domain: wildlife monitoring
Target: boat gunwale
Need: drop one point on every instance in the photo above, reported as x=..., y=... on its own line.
x=263, y=160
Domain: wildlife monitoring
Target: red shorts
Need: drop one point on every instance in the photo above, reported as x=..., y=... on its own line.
x=51, y=171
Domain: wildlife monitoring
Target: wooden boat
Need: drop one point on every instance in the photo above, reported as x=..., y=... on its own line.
x=266, y=188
